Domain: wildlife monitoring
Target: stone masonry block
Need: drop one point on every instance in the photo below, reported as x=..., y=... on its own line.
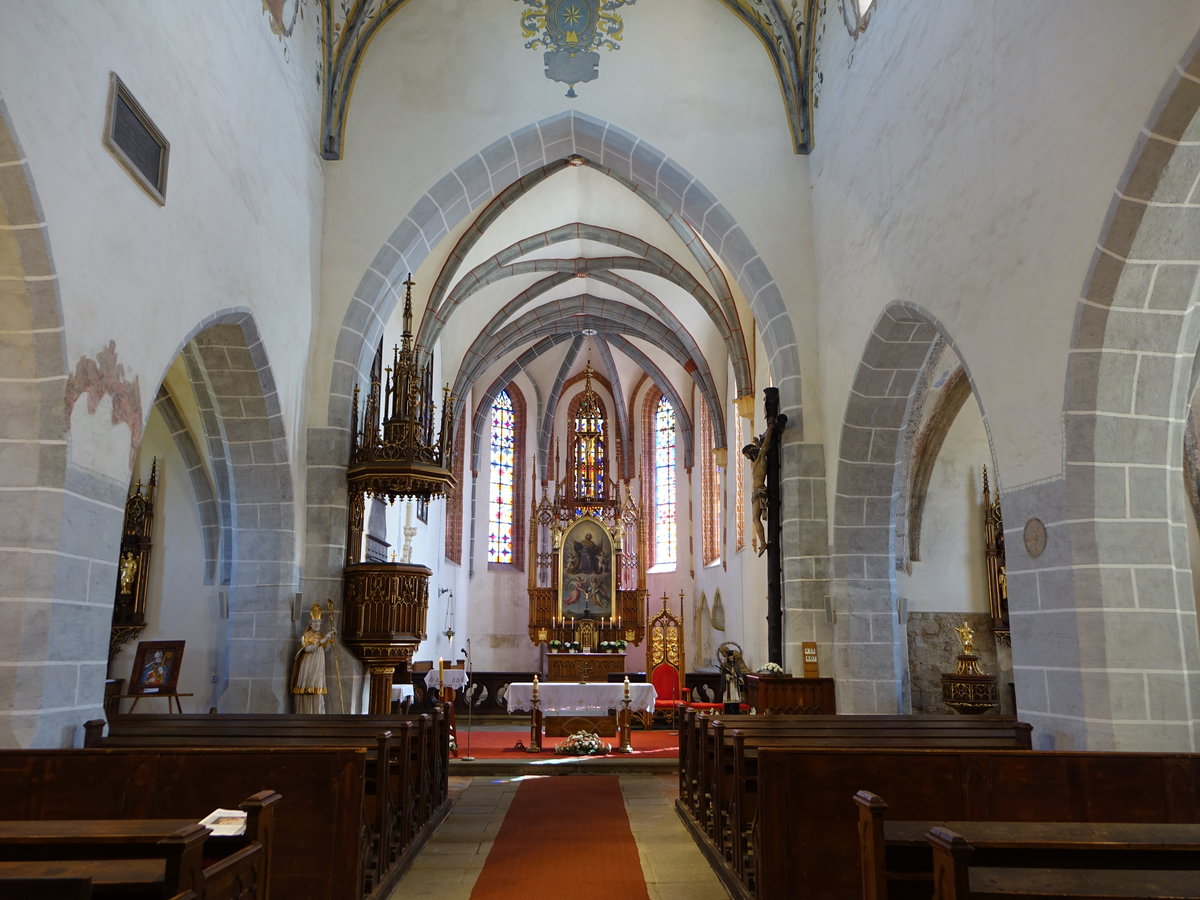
x=1174, y=286
x=1154, y=388
x=1114, y=282
x=1149, y=488
x=1178, y=112
x=1098, y=491
x=1111, y=439
x=1099, y=381
x=1135, y=543
x=1168, y=233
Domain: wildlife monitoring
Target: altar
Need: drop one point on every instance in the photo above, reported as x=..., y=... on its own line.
x=569, y=707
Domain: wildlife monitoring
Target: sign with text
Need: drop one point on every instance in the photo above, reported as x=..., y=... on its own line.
x=811, y=669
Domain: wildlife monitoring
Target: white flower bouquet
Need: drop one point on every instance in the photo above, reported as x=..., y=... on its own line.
x=583, y=743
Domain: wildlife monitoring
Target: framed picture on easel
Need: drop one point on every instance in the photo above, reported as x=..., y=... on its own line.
x=156, y=668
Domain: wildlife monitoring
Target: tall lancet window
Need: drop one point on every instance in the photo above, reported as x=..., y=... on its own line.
x=588, y=461
x=664, y=483
x=500, y=495
x=710, y=492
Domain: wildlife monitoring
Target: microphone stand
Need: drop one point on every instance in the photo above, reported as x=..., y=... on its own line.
x=470, y=684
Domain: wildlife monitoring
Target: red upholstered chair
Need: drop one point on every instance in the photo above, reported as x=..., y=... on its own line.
x=664, y=662
x=670, y=691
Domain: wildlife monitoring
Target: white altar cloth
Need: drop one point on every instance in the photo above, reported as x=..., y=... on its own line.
x=451, y=678
x=559, y=697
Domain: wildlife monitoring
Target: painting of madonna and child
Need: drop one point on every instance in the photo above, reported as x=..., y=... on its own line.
x=586, y=583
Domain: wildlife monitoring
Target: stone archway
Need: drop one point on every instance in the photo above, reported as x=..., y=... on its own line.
x=1122, y=524
x=870, y=652
x=45, y=565
x=238, y=406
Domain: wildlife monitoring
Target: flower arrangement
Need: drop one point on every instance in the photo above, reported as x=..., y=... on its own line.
x=621, y=645
x=555, y=645
x=583, y=743
x=572, y=646
x=607, y=646
x=770, y=669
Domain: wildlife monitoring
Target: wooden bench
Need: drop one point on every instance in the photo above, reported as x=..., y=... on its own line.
x=1097, y=862
x=720, y=799
x=45, y=887
x=804, y=837
x=896, y=859
x=400, y=802
x=387, y=798
x=232, y=867
x=322, y=836
x=162, y=868
x=700, y=738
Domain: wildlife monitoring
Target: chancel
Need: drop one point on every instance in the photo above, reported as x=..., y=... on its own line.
x=825, y=370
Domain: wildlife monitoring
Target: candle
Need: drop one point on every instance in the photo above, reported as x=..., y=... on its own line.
x=626, y=687
x=408, y=514
x=618, y=621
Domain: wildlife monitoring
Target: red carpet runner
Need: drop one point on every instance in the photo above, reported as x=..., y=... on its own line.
x=564, y=836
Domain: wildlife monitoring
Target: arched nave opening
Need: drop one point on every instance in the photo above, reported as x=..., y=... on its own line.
x=506, y=290
x=908, y=519
x=224, y=569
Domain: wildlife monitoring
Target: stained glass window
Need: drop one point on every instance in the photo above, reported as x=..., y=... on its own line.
x=588, y=445
x=710, y=493
x=664, y=483
x=500, y=494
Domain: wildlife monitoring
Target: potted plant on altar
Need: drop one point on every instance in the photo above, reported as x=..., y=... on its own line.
x=555, y=645
x=770, y=669
x=571, y=646
x=606, y=646
x=621, y=646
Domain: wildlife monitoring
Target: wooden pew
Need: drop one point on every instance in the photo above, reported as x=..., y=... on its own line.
x=403, y=796
x=47, y=888
x=1097, y=862
x=896, y=859
x=804, y=838
x=321, y=836
x=233, y=867
x=700, y=738
x=385, y=800
x=167, y=867
x=432, y=734
x=725, y=758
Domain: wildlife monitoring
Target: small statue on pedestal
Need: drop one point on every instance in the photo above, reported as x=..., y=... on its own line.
x=308, y=672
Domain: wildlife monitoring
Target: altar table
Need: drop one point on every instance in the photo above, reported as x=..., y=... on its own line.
x=569, y=707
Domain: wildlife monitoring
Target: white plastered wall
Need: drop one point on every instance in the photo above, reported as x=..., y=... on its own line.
x=240, y=230
x=1023, y=109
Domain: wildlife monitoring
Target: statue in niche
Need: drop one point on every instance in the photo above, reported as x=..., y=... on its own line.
x=129, y=567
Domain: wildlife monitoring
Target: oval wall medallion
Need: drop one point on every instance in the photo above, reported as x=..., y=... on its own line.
x=1035, y=537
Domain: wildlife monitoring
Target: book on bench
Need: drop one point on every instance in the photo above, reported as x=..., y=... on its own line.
x=225, y=822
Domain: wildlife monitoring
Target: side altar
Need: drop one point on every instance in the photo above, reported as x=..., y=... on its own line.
x=587, y=572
